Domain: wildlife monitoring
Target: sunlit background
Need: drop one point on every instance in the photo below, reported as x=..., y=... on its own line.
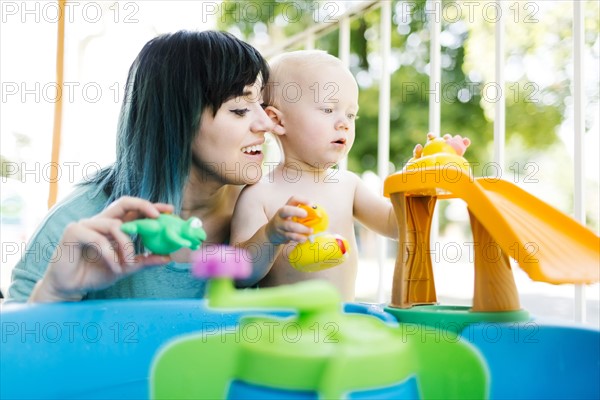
x=103, y=38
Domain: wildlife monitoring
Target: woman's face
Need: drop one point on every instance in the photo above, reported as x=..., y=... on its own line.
x=228, y=146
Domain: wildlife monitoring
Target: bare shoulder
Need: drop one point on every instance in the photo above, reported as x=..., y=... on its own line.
x=263, y=195
x=350, y=176
x=249, y=213
x=344, y=177
x=258, y=190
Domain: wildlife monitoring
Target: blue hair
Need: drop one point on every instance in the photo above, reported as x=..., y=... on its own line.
x=172, y=81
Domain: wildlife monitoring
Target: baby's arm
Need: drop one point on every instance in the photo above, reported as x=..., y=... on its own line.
x=374, y=211
x=262, y=238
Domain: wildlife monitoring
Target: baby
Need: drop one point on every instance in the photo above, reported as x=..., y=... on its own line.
x=313, y=100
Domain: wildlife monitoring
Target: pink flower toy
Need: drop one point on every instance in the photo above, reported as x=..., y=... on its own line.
x=220, y=261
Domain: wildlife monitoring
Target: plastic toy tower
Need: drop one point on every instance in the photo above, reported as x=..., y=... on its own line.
x=506, y=221
x=319, y=353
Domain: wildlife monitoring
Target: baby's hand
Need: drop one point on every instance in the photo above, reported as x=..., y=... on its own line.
x=282, y=229
x=458, y=142
x=418, y=151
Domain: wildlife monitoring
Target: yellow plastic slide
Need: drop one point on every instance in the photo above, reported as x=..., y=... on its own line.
x=557, y=249
x=548, y=245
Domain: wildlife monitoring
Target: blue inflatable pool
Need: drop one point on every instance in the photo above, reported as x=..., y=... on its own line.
x=104, y=349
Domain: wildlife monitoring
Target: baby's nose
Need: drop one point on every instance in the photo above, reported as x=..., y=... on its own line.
x=343, y=123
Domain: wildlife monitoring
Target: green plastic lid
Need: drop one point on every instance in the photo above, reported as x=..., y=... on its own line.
x=320, y=349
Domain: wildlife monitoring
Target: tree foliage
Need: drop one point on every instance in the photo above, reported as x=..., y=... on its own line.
x=467, y=92
x=5, y=171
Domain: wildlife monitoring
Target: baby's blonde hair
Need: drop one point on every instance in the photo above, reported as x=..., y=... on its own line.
x=287, y=66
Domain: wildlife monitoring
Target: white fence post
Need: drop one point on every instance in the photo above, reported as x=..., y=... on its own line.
x=500, y=104
x=579, y=130
x=383, y=145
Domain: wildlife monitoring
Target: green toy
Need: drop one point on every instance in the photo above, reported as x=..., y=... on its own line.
x=167, y=233
x=320, y=350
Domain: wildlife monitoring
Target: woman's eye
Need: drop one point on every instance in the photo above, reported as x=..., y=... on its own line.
x=240, y=111
x=327, y=110
x=351, y=116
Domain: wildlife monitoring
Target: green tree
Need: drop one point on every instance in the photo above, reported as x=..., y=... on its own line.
x=536, y=100
x=5, y=172
x=463, y=101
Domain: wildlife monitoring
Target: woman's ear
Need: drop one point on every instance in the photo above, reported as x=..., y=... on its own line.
x=277, y=117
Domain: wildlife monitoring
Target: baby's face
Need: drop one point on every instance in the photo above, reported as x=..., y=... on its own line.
x=319, y=109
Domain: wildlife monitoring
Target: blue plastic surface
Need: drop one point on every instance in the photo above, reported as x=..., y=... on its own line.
x=376, y=310
x=101, y=349
x=538, y=360
x=247, y=391
x=406, y=390
x=93, y=349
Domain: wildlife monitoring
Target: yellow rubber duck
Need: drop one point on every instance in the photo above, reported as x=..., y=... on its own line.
x=322, y=250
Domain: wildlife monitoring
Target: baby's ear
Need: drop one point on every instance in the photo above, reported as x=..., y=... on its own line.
x=277, y=117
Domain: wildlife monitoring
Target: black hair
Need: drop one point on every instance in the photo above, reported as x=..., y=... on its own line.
x=172, y=81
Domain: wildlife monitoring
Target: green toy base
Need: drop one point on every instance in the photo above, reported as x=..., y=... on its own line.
x=453, y=318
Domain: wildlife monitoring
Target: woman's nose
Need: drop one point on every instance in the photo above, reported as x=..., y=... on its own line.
x=262, y=123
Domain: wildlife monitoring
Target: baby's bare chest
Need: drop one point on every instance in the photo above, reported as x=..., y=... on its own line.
x=337, y=198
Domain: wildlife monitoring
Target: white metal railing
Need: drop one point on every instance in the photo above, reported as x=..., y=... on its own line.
x=435, y=65
x=500, y=105
x=307, y=40
x=308, y=36
x=579, y=128
x=383, y=139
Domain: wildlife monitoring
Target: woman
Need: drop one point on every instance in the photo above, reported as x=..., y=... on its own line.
x=188, y=137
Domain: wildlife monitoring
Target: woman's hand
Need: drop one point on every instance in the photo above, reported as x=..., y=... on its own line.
x=94, y=253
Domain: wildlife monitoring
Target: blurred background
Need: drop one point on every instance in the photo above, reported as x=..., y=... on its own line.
x=103, y=37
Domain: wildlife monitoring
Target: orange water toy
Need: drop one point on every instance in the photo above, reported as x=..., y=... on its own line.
x=506, y=222
x=322, y=250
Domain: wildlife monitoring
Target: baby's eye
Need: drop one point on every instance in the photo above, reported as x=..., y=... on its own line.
x=240, y=111
x=351, y=116
x=327, y=110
